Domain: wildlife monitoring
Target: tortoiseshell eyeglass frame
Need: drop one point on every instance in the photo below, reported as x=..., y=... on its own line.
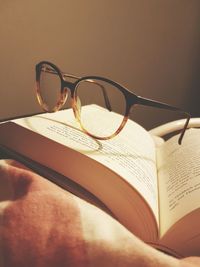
x=66, y=85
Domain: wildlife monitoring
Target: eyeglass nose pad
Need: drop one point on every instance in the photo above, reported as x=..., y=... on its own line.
x=62, y=99
x=130, y=110
x=76, y=104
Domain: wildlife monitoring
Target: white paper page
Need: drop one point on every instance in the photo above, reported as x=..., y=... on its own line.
x=179, y=178
x=131, y=154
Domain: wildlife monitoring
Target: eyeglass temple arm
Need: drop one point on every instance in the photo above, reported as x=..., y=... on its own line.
x=156, y=104
x=106, y=99
x=49, y=70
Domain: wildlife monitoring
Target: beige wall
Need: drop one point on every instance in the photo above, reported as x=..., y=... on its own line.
x=150, y=46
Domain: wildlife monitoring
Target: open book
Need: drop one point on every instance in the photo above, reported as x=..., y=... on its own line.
x=152, y=190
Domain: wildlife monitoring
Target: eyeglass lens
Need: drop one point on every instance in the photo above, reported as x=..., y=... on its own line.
x=106, y=99
x=49, y=87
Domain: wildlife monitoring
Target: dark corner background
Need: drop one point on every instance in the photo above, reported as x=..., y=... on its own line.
x=150, y=46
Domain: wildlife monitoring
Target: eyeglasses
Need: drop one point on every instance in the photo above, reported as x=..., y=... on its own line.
x=110, y=102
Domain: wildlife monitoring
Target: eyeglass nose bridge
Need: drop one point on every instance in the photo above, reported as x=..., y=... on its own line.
x=62, y=100
x=76, y=106
x=69, y=87
x=64, y=96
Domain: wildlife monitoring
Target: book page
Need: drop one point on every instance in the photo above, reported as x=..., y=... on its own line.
x=178, y=178
x=131, y=154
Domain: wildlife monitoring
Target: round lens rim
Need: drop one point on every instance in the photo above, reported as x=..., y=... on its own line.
x=77, y=108
x=61, y=100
